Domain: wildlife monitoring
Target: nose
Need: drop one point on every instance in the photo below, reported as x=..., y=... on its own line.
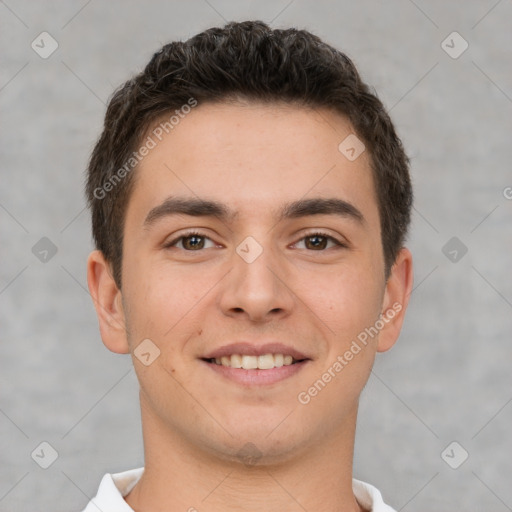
x=260, y=289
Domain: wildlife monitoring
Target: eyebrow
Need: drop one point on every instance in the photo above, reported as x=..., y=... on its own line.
x=197, y=207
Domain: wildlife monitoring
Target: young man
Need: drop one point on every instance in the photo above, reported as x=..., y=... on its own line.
x=250, y=200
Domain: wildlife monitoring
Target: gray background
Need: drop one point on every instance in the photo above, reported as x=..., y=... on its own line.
x=448, y=378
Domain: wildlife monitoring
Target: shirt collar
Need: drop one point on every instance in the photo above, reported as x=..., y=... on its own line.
x=114, y=487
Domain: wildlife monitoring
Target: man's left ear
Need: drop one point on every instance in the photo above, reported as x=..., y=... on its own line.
x=396, y=298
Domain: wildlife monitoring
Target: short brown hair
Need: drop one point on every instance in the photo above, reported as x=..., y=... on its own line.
x=246, y=60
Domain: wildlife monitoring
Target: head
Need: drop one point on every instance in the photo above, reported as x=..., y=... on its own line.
x=238, y=135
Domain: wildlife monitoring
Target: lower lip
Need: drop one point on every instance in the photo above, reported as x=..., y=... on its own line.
x=257, y=377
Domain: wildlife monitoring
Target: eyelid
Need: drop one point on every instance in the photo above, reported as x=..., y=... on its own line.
x=323, y=233
x=190, y=232
x=311, y=232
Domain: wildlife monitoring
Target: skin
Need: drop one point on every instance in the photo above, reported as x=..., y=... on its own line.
x=253, y=158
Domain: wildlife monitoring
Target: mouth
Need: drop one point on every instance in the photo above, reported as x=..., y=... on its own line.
x=249, y=362
x=252, y=366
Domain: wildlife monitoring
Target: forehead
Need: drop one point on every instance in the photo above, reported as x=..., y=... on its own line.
x=253, y=157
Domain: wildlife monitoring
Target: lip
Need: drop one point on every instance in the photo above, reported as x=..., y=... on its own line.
x=251, y=378
x=249, y=349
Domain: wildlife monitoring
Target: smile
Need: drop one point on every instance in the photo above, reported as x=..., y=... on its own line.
x=264, y=362
x=248, y=372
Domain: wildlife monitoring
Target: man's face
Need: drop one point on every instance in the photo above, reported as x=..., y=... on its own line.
x=264, y=275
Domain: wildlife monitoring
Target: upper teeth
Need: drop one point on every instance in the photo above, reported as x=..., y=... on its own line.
x=264, y=362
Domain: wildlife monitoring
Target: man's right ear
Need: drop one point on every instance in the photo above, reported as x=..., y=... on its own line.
x=108, y=303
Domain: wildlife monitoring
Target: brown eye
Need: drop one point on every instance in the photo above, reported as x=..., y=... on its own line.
x=316, y=242
x=319, y=242
x=193, y=242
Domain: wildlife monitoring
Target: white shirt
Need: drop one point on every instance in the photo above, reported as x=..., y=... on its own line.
x=114, y=487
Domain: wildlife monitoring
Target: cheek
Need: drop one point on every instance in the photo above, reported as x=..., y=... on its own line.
x=349, y=304
x=163, y=306
x=162, y=299
x=347, y=300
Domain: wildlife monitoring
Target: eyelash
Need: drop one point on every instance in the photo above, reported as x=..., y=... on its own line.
x=202, y=235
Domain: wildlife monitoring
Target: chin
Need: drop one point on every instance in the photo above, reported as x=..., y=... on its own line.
x=257, y=447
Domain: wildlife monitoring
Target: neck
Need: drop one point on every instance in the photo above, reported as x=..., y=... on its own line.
x=178, y=476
